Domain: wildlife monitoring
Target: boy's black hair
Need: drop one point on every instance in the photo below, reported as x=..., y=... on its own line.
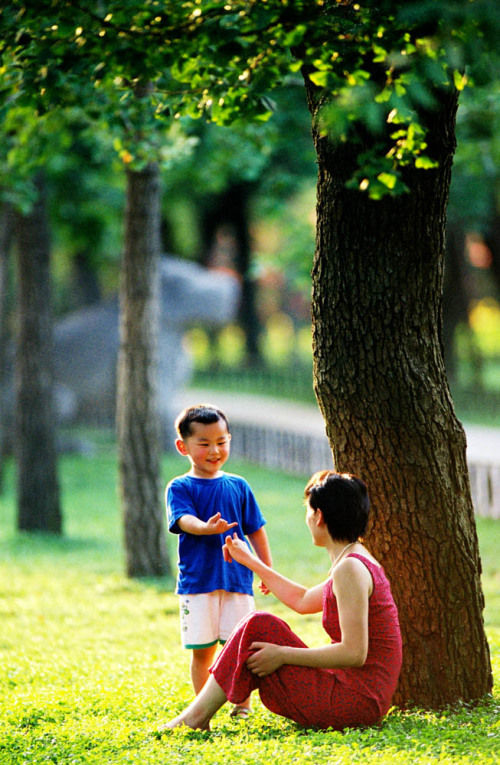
x=343, y=499
x=204, y=413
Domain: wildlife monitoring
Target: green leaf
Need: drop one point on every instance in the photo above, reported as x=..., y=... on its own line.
x=387, y=179
x=320, y=79
x=460, y=80
x=295, y=36
x=425, y=163
x=380, y=54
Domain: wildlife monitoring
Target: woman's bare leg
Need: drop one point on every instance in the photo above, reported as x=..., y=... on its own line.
x=201, y=710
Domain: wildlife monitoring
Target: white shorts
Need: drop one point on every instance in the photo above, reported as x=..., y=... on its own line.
x=208, y=618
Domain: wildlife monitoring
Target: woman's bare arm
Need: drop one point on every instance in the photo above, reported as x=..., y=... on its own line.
x=352, y=586
x=294, y=595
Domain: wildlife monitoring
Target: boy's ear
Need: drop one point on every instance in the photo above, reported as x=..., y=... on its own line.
x=181, y=447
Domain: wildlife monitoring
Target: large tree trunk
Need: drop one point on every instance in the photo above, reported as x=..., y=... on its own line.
x=38, y=488
x=381, y=386
x=137, y=412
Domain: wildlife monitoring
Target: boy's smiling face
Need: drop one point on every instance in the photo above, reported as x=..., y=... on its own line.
x=207, y=448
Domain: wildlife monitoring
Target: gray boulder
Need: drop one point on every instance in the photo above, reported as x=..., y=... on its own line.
x=86, y=343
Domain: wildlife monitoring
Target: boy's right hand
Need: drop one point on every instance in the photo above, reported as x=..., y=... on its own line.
x=217, y=525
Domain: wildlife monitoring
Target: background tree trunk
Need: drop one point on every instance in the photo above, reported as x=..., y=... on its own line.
x=492, y=240
x=381, y=386
x=456, y=301
x=231, y=209
x=6, y=235
x=137, y=414
x=38, y=487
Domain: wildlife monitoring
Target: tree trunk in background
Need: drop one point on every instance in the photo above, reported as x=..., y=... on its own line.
x=249, y=319
x=492, y=240
x=85, y=288
x=38, y=488
x=137, y=414
x=231, y=209
x=6, y=234
x=456, y=305
x=381, y=386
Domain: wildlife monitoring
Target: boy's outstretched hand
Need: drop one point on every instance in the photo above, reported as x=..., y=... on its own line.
x=217, y=525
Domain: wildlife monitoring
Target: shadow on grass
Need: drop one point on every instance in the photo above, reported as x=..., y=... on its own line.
x=41, y=543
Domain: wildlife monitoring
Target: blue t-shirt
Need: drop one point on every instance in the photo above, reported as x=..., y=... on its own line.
x=202, y=567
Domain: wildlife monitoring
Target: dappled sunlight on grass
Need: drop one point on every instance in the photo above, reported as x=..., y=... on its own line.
x=92, y=664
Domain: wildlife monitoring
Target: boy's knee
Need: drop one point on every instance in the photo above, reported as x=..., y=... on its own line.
x=203, y=655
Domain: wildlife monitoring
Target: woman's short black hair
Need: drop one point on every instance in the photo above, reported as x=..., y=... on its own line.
x=343, y=499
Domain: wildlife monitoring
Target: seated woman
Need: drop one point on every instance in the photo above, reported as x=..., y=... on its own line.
x=346, y=683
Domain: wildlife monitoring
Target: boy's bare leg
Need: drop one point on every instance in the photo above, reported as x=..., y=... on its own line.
x=201, y=660
x=201, y=710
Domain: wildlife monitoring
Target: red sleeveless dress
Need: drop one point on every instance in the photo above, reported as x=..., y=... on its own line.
x=314, y=697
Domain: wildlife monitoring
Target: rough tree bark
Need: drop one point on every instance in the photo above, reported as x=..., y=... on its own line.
x=137, y=415
x=381, y=386
x=37, y=482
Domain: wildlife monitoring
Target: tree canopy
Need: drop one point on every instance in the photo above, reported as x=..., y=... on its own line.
x=377, y=66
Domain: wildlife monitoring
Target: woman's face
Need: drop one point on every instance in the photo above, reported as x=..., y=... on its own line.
x=312, y=524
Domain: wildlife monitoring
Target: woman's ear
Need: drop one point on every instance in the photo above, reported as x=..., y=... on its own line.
x=319, y=518
x=181, y=447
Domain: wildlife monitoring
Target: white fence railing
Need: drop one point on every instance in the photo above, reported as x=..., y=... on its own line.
x=485, y=488
x=303, y=453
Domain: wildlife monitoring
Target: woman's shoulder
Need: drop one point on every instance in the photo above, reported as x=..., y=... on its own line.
x=364, y=557
x=357, y=570
x=378, y=576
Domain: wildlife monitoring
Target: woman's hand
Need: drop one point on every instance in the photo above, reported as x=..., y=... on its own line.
x=235, y=549
x=265, y=659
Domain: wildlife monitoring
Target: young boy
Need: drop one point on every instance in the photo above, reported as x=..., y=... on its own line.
x=202, y=506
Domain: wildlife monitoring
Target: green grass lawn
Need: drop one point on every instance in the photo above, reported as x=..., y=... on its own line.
x=90, y=661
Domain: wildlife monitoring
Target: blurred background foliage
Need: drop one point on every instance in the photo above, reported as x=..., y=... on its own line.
x=281, y=220
x=243, y=198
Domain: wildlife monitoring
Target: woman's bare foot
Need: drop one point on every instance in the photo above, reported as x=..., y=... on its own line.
x=201, y=710
x=179, y=721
